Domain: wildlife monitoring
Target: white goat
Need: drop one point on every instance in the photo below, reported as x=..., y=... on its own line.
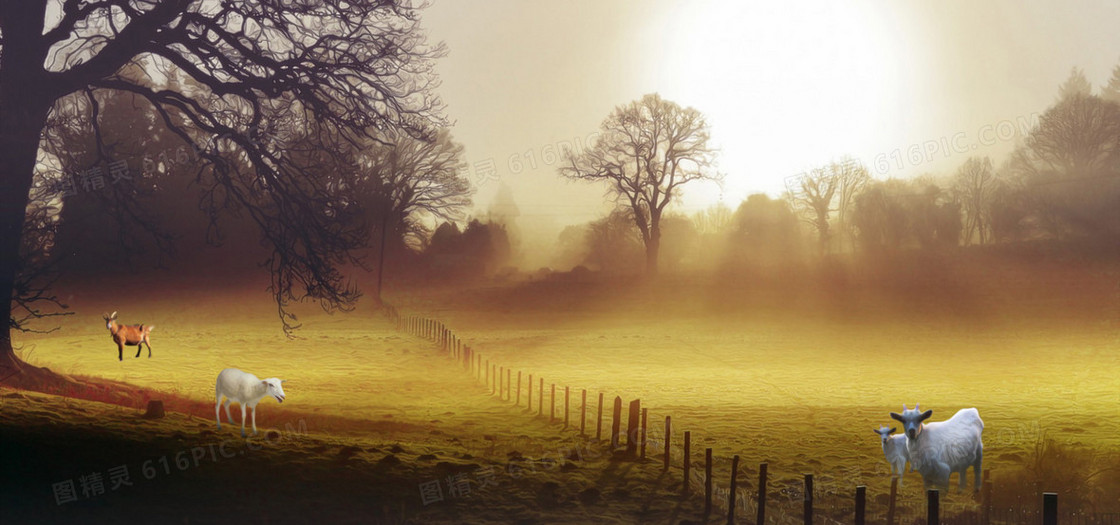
x=248, y=390
x=940, y=448
x=894, y=448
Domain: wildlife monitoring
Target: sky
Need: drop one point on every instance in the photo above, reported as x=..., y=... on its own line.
x=906, y=87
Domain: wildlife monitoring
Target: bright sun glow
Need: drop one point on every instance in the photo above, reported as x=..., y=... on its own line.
x=785, y=86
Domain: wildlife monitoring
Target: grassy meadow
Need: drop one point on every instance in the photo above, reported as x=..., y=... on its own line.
x=772, y=374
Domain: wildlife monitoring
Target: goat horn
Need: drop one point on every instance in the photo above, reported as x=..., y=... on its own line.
x=904, y=407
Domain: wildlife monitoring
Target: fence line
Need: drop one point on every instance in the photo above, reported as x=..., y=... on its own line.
x=732, y=500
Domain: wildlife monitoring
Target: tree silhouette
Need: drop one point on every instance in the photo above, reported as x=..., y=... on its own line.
x=1111, y=90
x=1075, y=86
x=764, y=233
x=880, y=217
x=815, y=195
x=647, y=150
x=353, y=67
x=974, y=186
x=1069, y=166
x=406, y=182
x=413, y=181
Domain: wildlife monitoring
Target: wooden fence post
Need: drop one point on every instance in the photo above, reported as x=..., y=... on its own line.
x=488, y=373
x=518, y=401
x=501, y=389
x=645, y=413
x=583, y=411
x=529, y=405
x=566, y=411
x=933, y=510
x=508, y=384
x=552, y=408
x=687, y=462
x=632, y=422
x=762, y=492
x=497, y=379
x=599, y=420
x=1049, y=508
x=540, y=398
x=731, y=493
x=808, y=512
x=707, y=483
x=616, y=422
x=861, y=504
x=894, y=498
x=668, y=433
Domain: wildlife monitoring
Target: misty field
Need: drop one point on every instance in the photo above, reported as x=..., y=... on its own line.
x=800, y=389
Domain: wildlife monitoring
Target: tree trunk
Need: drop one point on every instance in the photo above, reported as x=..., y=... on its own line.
x=381, y=258
x=653, y=249
x=22, y=117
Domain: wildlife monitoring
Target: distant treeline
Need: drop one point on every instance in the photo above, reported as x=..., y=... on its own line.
x=151, y=207
x=1062, y=182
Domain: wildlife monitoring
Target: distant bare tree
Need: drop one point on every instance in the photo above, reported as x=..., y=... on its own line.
x=408, y=182
x=831, y=188
x=1076, y=138
x=355, y=67
x=811, y=198
x=613, y=243
x=974, y=187
x=422, y=181
x=764, y=233
x=881, y=218
x=647, y=150
x=714, y=220
x=1069, y=165
x=852, y=178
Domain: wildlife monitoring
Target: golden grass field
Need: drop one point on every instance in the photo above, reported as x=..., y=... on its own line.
x=409, y=416
x=799, y=388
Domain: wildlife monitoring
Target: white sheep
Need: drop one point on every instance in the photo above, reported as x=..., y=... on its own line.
x=940, y=448
x=894, y=448
x=248, y=390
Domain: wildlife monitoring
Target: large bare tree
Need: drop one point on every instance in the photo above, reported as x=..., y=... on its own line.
x=355, y=67
x=647, y=150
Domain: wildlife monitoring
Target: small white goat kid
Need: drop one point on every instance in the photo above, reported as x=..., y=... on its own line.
x=940, y=448
x=248, y=390
x=894, y=448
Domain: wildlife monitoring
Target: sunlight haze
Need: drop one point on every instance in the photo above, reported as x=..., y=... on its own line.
x=785, y=86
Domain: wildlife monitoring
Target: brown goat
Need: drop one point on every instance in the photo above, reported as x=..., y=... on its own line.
x=135, y=335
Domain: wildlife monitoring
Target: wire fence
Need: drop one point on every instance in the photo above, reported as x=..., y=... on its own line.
x=629, y=437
